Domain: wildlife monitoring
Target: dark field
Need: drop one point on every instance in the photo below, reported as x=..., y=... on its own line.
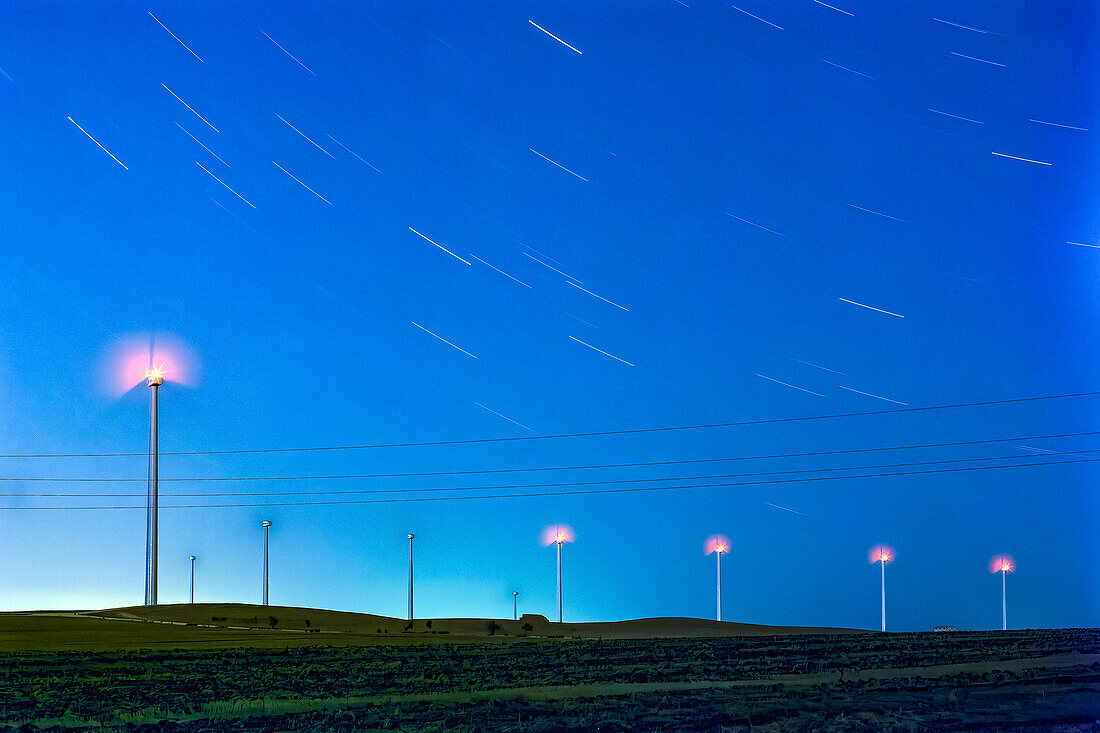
x=1017, y=680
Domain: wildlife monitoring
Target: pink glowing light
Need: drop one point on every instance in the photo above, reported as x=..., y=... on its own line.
x=556, y=534
x=716, y=543
x=1002, y=563
x=128, y=362
x=882, y=553
x=155, y=373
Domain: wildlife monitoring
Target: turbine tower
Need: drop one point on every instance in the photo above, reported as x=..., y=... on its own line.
x=515, y=605
x=154, y=377
x=1003, y=564
x=883, y=564
x=411, y=536
x=559, y=541
x=558, y=534
x=882, y=555
x=719, y=551
x=192, y=578
x=266, y=525
x=719, y=545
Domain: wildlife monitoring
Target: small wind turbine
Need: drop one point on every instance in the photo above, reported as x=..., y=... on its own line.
x=883, y=555
x=1002, y=564
x=266, y=524
x=718, y=545
x=411, y=538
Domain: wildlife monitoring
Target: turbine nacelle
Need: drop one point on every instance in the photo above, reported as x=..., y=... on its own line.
x=149, y=359
x=557, y=534
x=717, y=543
x=154, y=375
x=882, y=554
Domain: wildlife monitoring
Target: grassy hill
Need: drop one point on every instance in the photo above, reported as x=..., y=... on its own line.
x=238, y=625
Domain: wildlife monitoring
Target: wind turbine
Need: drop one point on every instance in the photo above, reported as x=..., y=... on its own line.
x=719, y=545
x=154, y=377
x=153, y=360
x=266, y=525
x=558, y=534
x=411, y=536
x=1002, y=564
x=882, y=555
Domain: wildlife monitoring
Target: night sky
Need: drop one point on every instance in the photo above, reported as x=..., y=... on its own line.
x=408, y=222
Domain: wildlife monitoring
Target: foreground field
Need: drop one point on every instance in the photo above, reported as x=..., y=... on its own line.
x=495, y=679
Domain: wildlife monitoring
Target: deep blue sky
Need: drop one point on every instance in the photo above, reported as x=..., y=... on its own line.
x=685, y=120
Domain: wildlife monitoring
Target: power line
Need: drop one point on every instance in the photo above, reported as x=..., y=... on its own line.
x=419, y=490
x=634, y=431
x=529, y=469
x=583, y=492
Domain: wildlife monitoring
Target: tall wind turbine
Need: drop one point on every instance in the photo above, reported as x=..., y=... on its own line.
x=1002, y=564
x=152, y=360
x=154, y=377
x=192, y=578
x=719, y=545
x=882, y=555
x=558, y=535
